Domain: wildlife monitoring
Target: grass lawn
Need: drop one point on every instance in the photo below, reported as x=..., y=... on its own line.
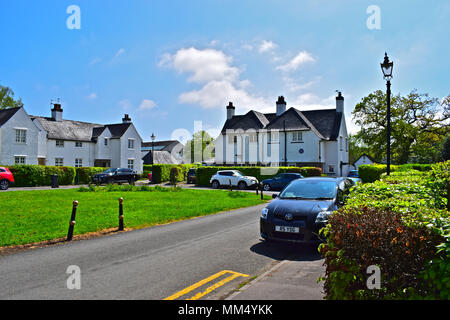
x=33, y=216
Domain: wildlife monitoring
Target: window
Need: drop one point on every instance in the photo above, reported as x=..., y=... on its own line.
x=340, y=143
x=297, y=136
x=273, y=136
x=78, y=163
x=21, y=136
x=106, y=141
x=78, y=144
x=130, y=143
x=60, y=143
x=331, y=169
x=59, y=162
x=19, y=160
x=252, y=137
x=131, y=163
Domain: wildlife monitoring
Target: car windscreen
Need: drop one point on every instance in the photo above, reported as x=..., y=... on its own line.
x=110, y=170
x=309, y=189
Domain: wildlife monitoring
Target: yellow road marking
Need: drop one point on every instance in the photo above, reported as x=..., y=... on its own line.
x=203, y=282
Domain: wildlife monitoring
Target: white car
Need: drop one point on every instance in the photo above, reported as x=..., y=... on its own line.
x=235, y=177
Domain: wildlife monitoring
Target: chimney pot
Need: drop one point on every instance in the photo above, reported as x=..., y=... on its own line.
x=230, y=110
x=126, y=119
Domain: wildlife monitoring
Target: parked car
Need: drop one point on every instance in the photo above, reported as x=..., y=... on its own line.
x=235, y=177
x=302, y=209
x=353, y=174
x=6, y=178
x=191, y=175
x=113, y=175
x=280, y=181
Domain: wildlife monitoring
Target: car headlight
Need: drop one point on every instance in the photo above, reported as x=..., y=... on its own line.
x=322, y=216
x=264, y=213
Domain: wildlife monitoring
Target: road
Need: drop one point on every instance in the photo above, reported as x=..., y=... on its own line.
x=151, y=263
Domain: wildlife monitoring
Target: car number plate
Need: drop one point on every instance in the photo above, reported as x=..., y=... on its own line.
x=287, y=229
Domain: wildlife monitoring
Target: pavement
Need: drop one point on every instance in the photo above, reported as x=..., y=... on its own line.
x=287, y=280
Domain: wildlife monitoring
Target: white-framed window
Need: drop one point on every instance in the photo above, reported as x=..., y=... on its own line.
x=78, y=163
x=19, y=160
x=297, y=136
x=252, y=137
x=131, y=164
x=59, y=162
x=106, y=141
x=130, y=143
x=60, y=143
x=21, y=136
x=78, y=144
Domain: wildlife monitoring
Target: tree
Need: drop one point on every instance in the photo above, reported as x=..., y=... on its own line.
x=445, y=151
x=356, y=149
x=419, y=124
x=7, y=99
x=200, y=148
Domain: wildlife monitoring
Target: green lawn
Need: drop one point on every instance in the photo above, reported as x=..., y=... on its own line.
x=33, y=216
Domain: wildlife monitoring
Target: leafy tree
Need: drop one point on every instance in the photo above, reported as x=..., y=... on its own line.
x=357, y=148
x=200, y=148
x=445, y=151
x=7, y=98
x=419, y=124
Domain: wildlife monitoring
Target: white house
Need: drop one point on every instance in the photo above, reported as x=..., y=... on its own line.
x=363, y=159
x=287, y=137
x=26, y=139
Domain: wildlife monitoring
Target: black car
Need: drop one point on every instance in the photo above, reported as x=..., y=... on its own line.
x=302, y=209
x=280, y=181
x=191, y=175
x=113, y=175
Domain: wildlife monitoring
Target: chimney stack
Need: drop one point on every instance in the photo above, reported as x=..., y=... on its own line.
x=281, y=105
x=340, y=103
x=230, y=111
x=57, y=111
x=126, y=119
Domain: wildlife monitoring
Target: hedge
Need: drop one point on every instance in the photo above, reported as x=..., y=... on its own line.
x=161, y=172
x=36, y=175
x=372, y=172
x=399, y=224
x=204, y=174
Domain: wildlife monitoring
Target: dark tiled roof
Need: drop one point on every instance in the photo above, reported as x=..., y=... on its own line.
x=67, y=129
x=6, y=114
x=324, y=123
x=167, y=145
x=117, y=130
x=161, y=157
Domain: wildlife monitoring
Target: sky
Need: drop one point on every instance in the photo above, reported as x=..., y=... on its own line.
x=174, y=65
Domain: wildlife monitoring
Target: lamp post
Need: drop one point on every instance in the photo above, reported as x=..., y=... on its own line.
x=387, y=67
x=153, y=152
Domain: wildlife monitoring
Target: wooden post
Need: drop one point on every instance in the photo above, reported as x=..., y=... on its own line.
x=72, y=221
x=120, y=214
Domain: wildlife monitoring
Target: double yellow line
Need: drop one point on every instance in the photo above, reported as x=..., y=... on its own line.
x=185, y=291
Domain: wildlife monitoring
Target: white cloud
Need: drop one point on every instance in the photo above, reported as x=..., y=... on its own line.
x=125, y=104
x=205, y=65
x=266, y=46
x=217, y=94
x=92, y=96
x=120, y=52
x=146, y=104
x=300, y=59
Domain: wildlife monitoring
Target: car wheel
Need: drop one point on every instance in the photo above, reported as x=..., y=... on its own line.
x=215, y=184
x=266, y=187
x=4, y=184
x=242, y=185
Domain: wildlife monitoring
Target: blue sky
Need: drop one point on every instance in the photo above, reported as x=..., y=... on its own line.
x=170, y=63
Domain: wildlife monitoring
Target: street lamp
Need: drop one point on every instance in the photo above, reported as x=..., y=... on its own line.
x=153, y=151
x=387, y=67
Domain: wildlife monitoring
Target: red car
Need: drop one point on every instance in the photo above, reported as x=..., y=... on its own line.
x=6, y=178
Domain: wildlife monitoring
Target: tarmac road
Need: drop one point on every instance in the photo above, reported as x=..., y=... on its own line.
x=201, y=258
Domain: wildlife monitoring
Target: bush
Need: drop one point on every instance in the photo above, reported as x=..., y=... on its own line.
x=84, y=175
x=372, y=172
x=174, y=175
x=204, y=174
x=35, y=175
x=161, y=172
x=399, y=224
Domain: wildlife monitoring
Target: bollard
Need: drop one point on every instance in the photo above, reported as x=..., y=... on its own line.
x=120, y=214
x=262, y=198
x=231, y=187
x=72, y=221
x=257, y=188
